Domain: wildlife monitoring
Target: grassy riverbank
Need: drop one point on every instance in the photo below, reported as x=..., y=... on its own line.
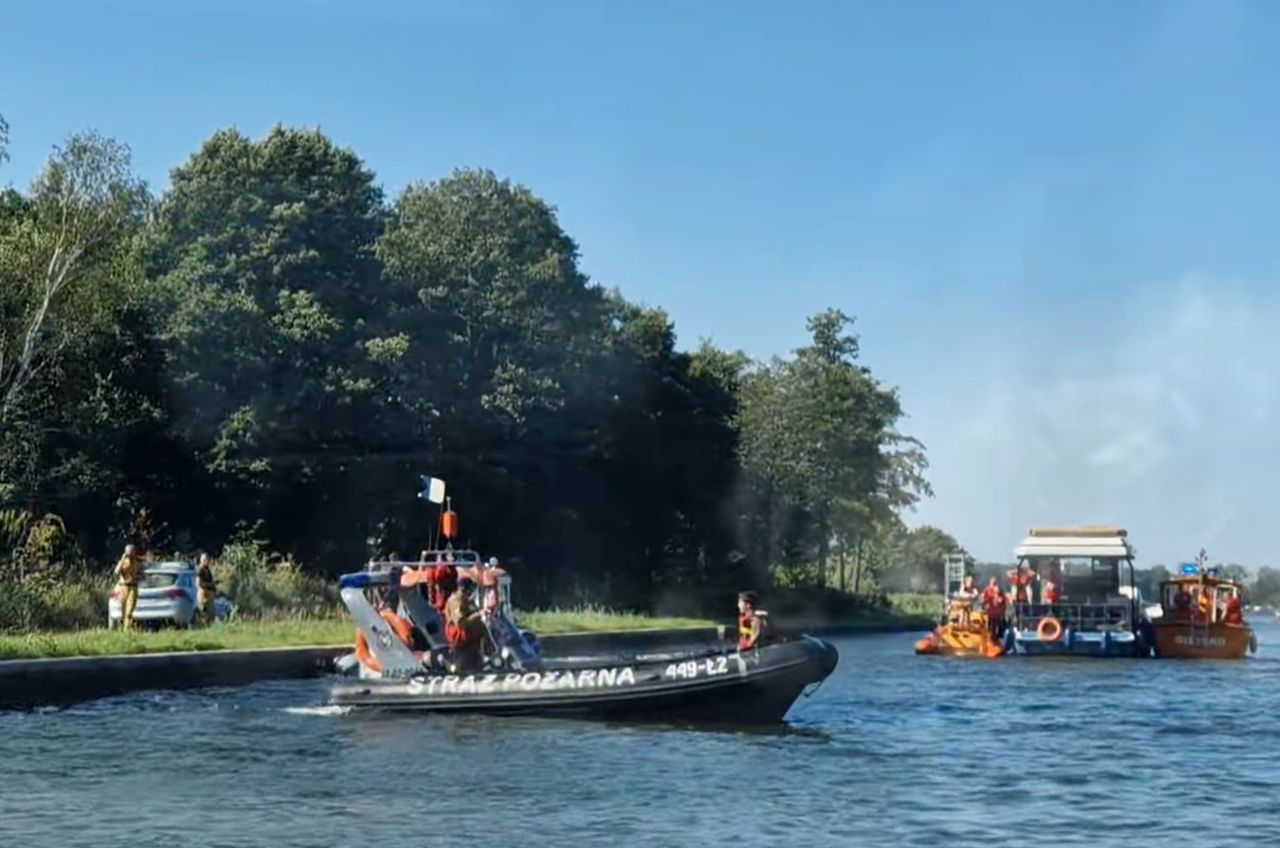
x=284, y=633
x=337, y=630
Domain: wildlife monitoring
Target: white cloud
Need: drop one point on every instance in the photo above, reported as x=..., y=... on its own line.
x=1167, y=428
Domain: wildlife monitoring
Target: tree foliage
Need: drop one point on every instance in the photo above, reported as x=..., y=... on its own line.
x=827, y=465
x=275, y=353
x=66, y=252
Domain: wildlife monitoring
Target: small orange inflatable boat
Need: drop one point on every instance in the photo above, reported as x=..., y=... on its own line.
x=961, y=638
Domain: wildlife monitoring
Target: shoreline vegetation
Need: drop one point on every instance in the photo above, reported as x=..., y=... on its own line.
x=338, y=630
x=263, y=360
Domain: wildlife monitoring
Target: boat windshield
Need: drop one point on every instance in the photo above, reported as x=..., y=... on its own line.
x=1217, y=594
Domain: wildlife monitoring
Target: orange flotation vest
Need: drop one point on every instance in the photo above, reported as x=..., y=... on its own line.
x=746, y=638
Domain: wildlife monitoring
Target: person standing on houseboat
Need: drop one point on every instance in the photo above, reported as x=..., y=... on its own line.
x=1020, y=580
x=750, y=621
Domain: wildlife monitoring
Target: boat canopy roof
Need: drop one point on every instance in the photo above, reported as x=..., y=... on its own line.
x=1191, y=574
x=1085, y=541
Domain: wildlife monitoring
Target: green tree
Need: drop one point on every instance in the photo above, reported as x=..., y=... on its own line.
x=66, y=255
x=1149, y=581
x=84, y=423
x=585, y=440
x=1235, y=571
x=1265, y=588
x=263, y=256
x=818, y=438
x=915, y=564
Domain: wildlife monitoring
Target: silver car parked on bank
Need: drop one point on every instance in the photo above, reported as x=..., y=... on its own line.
x=166, y=596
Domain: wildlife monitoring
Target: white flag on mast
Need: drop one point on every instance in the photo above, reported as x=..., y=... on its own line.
x=432, y=489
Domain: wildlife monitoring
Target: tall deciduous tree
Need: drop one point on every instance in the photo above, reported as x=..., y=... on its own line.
x=263, y=252
x=819, y=439
x=65, y=254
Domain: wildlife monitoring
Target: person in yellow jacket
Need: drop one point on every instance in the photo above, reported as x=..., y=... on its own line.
x=129, y=572
x=206, y=589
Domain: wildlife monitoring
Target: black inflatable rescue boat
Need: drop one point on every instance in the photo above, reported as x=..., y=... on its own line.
x=404, y=664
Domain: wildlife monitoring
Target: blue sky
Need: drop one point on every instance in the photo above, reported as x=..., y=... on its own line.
x=1054, y=221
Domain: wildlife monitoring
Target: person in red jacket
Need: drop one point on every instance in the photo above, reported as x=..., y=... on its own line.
x=1233, y=614
x=993, y=604
x=1021, y=579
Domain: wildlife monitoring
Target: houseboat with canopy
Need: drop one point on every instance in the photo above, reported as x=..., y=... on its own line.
x=1201, y=616
x=1078, y=595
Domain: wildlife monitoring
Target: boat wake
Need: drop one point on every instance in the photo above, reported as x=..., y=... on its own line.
x=323, y=710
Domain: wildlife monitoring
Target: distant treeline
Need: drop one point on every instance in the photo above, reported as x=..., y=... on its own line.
x=272, y=350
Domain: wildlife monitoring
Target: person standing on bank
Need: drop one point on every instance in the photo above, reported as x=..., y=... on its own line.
x=129, y=572
x=206, y=589
x=750, y=621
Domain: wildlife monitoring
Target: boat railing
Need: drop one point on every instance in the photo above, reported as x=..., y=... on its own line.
x=1086, y=617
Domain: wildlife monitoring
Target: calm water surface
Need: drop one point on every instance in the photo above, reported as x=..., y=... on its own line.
x=893, y=750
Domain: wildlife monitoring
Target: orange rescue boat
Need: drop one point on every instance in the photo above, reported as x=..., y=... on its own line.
x=963, y=630
x=956, y=637
x=1201, y=617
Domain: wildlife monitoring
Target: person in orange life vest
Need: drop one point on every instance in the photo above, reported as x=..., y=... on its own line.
x=464, y=627
x=750, y=622
x=993, y=604
x=1020, y=580
x=1204, y=604
x=1233, y=614
x=1049, y=591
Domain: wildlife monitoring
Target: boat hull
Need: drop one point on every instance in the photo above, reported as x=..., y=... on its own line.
x=756, y=687
x=1080, y=643
x=1199, y=641
x=947, y=640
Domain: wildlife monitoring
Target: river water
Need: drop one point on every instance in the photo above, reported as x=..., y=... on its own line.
x=894, y=750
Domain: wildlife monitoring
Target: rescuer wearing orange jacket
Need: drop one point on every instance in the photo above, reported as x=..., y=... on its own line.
x=750, y=621
x=463, y=627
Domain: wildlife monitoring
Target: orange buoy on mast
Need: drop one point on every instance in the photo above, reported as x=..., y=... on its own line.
x=449, y=522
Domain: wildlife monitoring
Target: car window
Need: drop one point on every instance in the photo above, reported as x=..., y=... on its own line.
x=158, y=580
